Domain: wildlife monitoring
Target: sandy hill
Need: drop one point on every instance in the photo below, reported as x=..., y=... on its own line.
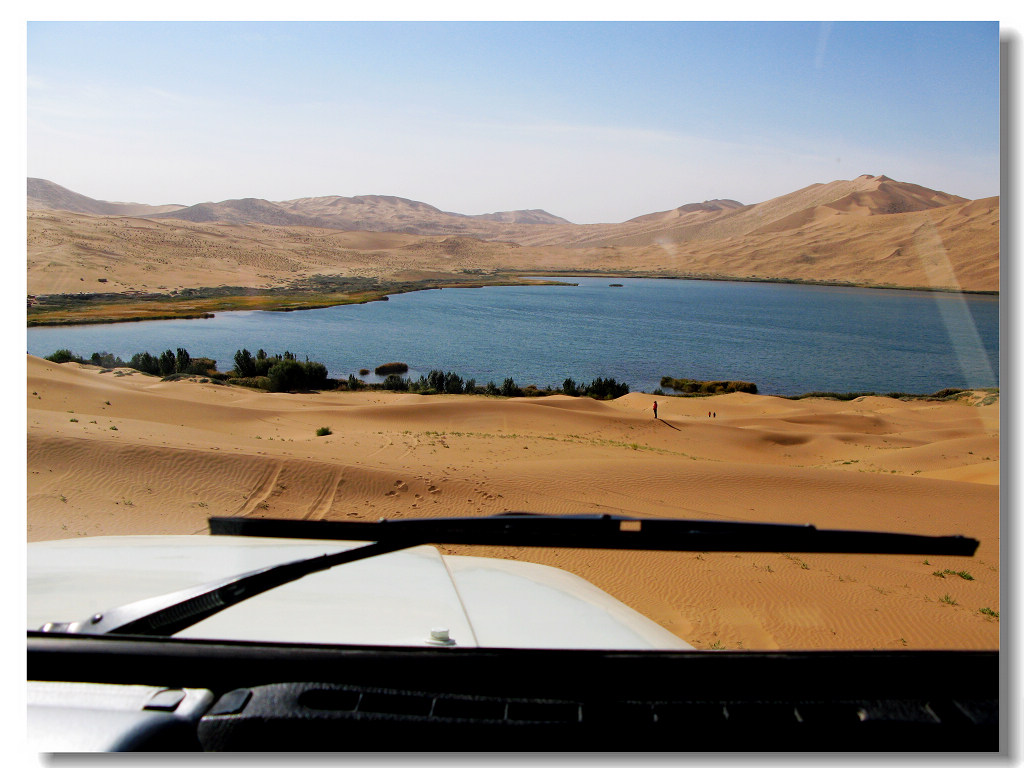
x=871, y=231
x=720, y=219
x=45, y=195
x=380, y=213
x=120, y=452
x=686, y=211
x=249, y=210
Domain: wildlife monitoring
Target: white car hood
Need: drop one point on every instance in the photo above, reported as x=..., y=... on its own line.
x=392, y=599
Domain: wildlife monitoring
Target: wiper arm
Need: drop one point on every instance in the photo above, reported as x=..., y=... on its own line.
x=167, y=614
x=164, y=615
x=524, y=529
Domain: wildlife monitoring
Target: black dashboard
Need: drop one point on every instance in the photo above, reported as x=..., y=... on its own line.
x=121, y=693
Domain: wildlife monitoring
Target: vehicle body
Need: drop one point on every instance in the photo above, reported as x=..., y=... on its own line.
x=408, y=649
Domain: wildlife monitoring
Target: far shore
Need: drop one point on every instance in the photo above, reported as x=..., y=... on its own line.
x=128, y=306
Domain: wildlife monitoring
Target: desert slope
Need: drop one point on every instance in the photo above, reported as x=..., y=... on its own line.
x=122, y=452
x=47, y=196
x=869, y=231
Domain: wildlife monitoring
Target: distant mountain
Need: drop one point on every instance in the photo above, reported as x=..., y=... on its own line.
x=870, y=230
x=717, y=219
x=45, y=195
x=374, y=213
x=713, y=207
x=710, y=220
x=248, y=210
x=533, y=216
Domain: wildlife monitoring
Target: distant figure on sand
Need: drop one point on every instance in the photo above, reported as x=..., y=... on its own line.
x=655, y=409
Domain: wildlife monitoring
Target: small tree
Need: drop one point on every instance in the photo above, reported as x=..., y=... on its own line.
x=435, y=380
x=286, y=376
x=182, y=361
x=509, y=388
x=145, y=362
x=453, y=384
x=245, y=365
x=167, y=362
x=316, y=375
x=106, y=360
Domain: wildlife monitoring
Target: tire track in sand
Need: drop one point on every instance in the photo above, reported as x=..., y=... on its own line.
x=262, y=491
x=321, y=505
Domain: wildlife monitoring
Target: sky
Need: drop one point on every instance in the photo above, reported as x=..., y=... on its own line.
x=594, y=121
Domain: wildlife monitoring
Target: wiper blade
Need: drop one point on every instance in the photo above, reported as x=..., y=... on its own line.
x=164, y=615
x=523, y=529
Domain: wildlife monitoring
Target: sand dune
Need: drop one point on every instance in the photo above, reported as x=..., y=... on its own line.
x=122, y=452
x=869, y=231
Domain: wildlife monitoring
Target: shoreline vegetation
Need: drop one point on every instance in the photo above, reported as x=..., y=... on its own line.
x=317, y=292
x=284, y=372
x=322, y=291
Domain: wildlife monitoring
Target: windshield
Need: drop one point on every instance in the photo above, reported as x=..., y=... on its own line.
x=707, y=271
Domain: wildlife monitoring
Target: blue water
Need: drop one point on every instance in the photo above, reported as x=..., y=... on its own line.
x=788, y=339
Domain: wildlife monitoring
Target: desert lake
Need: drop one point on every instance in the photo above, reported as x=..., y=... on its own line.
x=787, y=339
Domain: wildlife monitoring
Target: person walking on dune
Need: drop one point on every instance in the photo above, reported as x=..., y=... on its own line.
x=655, y=409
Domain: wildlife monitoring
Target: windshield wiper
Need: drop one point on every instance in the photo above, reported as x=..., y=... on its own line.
x=167, y=614
x=163, y=615
x=524, y=529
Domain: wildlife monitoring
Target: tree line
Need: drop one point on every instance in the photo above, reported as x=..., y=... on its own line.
x=167, y=363
x=450, y=383
x=277, y=373
x=284, y=372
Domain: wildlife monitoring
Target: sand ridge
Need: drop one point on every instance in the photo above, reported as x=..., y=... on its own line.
x=121, y=452
x=869, y=231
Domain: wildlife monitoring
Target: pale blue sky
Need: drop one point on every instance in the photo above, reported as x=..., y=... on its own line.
x=592, y=121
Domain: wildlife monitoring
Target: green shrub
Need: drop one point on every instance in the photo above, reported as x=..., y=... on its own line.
x=316, y=375
x=323, y=431
x=386, y=368
x=201, y=366
x=395, y=382
x=697, y=387
x=286, y=376
x=256, y=382
x=946, y=393
x=64, y=356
